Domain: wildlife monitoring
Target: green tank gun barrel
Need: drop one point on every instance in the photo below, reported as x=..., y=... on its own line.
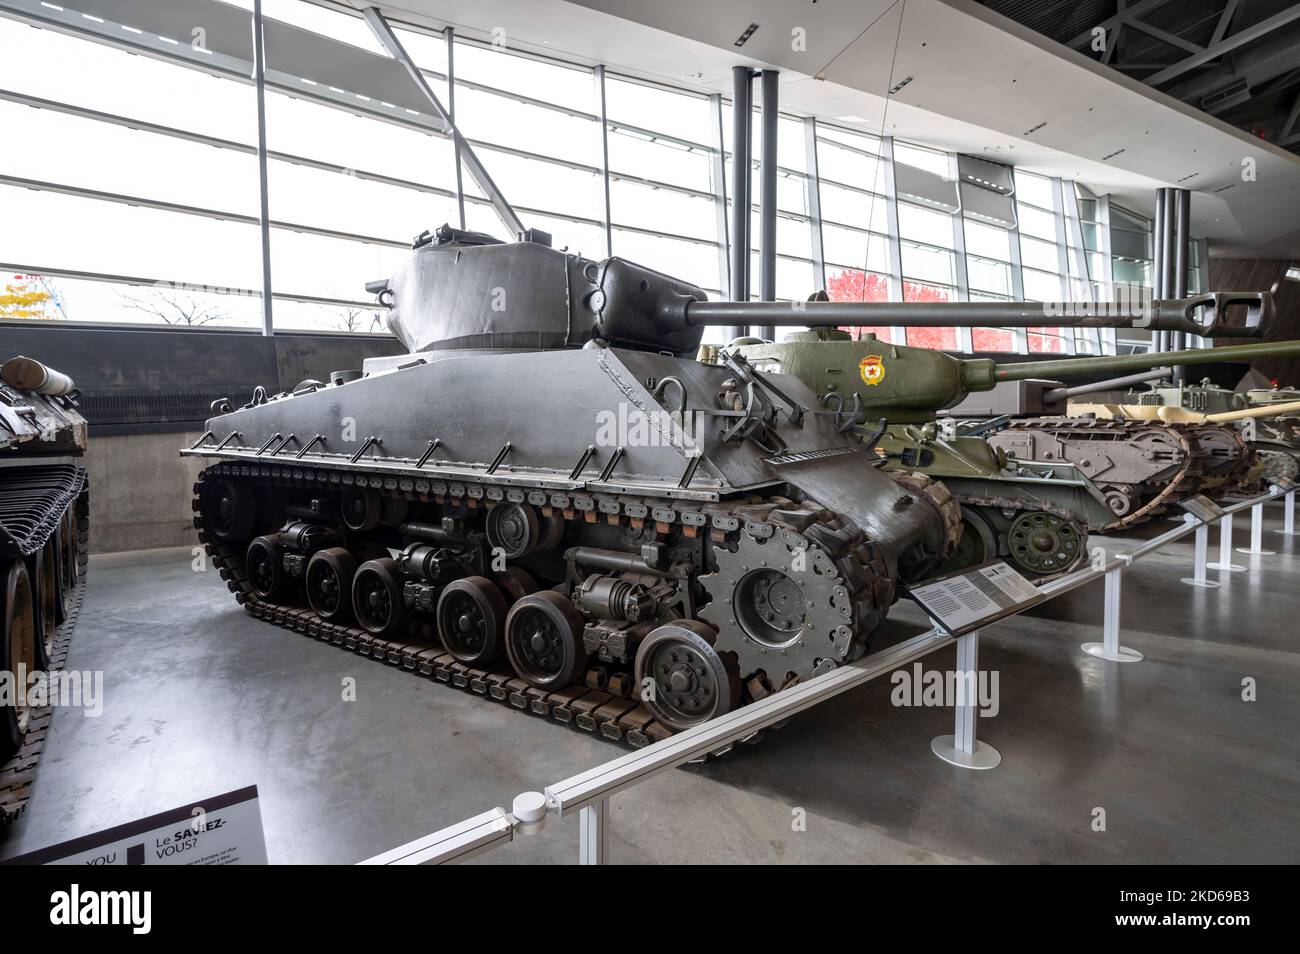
x=1064, y=394
x=1065, y=367
x=1205, y=315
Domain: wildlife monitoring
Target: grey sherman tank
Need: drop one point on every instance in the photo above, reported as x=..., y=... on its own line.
x=549, y=501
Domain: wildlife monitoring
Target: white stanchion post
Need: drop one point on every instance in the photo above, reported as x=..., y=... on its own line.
x=1110, y=648
x=593, y=829
x=1225, y=564
x=1256, y=547
x=1202, y=554
x=962, y=748
x=1288, y=515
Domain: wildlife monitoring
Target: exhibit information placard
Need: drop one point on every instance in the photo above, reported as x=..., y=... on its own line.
x=1202, y=508
x=225, y=830
x=964, y=601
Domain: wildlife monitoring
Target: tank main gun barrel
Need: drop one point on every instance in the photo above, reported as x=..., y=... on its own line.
x=1139, y=362
x=1205, y=315
x=1064, y=394
x=1177, y=415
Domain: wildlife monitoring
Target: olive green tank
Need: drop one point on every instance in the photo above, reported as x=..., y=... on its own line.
x=1034, y=513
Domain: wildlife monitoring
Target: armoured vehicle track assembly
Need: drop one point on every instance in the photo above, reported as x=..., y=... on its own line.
x=550, y=502
x=44, y=528
x=1032, y=507
x=1266, y=426
x=1141, y=466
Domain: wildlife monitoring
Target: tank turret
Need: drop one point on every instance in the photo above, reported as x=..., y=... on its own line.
x=464, y=290
x=1277, y=395
x=911, y=385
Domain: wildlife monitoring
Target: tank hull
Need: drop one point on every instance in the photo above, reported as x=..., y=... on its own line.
x=1142, y=468
x=1033, y=515
x=591, y=510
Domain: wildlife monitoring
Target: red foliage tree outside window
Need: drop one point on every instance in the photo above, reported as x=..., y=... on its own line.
x=853, y=285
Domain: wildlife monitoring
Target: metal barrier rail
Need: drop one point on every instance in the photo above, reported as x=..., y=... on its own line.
x=588, y=792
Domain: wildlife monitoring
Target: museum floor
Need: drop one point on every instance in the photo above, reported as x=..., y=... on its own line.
x=201, y=699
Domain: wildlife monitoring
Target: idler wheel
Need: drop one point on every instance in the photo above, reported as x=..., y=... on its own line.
x=1044, y=543
x=377, y=597
x=229, y=509
x=513, y=529
x=544, y=640
x=361, y=508
x=690, y=682
x=471, y=619
x=18, y=646
x=264, y=566
x=1119, y=502
x=329, y=584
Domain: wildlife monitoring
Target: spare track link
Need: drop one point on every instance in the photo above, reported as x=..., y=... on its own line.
x=17, y=775
x=614, y=716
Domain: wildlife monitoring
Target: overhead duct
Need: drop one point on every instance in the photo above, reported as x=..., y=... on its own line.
x=1278, y=55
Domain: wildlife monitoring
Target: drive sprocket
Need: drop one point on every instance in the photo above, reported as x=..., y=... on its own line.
x=781, y=605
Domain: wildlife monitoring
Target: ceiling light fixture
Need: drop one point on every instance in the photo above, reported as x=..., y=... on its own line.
x=747, y=34
x=900, y=84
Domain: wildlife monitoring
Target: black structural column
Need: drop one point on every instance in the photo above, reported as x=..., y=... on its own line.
x=1160, y=265
x=741, y=165
x=767, y=199
x=1180, y=224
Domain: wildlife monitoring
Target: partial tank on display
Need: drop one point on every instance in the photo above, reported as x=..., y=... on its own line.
x=1271, y=456
x=44, y=514
x=1032, y=511
x=1278, y=431
x=1141, y=466
x=551, y=502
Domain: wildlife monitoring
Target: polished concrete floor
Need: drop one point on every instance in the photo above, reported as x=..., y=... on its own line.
x=202, y=699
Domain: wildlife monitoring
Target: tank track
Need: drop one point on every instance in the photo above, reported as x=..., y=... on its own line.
x=1186, y=482
x=607, y=707
x=18, y=774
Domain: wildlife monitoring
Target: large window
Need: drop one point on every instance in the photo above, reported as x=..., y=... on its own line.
x=163, y=225
x=661, y=194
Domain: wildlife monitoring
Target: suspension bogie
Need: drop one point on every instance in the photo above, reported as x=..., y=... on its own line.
x=660, y=613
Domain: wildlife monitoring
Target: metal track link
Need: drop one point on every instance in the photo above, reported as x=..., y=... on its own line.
x=614, y=717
